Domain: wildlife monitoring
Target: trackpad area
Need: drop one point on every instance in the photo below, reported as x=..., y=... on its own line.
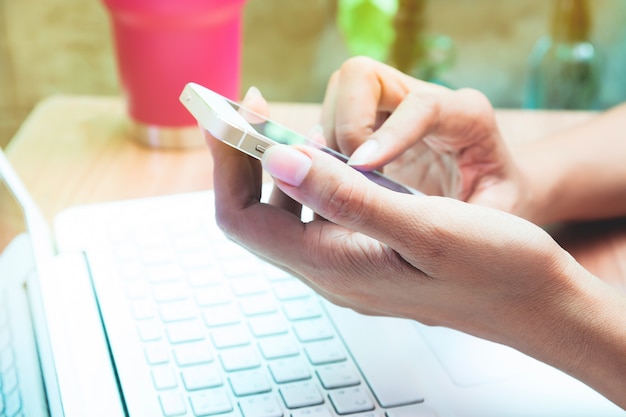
x=469, y=360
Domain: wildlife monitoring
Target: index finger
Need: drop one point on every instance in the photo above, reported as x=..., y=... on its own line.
x=356, y=96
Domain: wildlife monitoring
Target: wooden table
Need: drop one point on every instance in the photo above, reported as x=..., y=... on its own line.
x=77, y=150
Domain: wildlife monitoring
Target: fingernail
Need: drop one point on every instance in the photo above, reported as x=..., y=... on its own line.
x=364, y=153
x=252, y=94
x=286, y=164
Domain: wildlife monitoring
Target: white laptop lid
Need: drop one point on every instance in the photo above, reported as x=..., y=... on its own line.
x=61, y=356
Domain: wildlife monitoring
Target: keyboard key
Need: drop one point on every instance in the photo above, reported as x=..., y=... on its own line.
x=196, y=259
x=320, y=353
x=156, y=353
x=164, y=377
x=177, y=311
x=201, y=377
x=278, y=347
x=351, y=400
x=142, y=309
x=172, y=403
x=261, y=406
x=291, y=289
x=289, y=370
x=338, y=375
x=213, y=295
x=249, y=382
x=221, y=315
x=267, y=325
x=238, y=359
x=207, y=275
x=243, y=267
x=190, y=242
x=312, y=412
x=248, y=285
x=210, y=402
x=257, y=304
x=185, y=331
x=275, y=274
x=306, y=308
x=169, y=291
x=149, y=330
x=164, y=273
x=301, y=394
x=137, y=289
x=230, y=336
x=311, y=330
x=193, y=353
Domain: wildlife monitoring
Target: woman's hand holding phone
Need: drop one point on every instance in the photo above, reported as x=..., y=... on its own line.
x=433, y=259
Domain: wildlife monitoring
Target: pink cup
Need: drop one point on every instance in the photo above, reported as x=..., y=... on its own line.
x=163, y=44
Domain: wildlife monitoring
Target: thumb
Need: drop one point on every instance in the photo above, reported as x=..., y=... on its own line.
x=254, y=105
x=336, y=191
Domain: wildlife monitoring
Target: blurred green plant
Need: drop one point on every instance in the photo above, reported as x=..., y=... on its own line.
x=367, y=26
x=392, y=31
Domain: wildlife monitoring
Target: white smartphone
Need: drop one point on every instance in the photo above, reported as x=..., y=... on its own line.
x=252, y=133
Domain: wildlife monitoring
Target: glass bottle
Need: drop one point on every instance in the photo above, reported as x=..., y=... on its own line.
x=565, y=67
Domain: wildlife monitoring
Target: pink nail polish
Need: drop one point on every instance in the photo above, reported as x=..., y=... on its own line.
x=286, y=164
x=364, y=153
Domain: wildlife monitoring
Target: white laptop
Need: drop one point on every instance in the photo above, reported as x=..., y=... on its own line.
x=142, y=308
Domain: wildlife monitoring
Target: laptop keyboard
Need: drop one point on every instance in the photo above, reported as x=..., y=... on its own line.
x=226, y=333
x=10, y=391
x=215, y=331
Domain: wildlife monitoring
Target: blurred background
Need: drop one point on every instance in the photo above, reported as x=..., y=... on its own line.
x=292, y=46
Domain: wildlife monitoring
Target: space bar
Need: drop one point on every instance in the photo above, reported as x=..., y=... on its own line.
x=384, y=349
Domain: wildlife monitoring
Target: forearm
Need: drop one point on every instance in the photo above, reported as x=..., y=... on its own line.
x=602, y=356
x=606, y=348
x=582, y=331
x=578, y=174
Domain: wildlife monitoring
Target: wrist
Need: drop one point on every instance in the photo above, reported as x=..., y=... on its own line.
x=541, y=185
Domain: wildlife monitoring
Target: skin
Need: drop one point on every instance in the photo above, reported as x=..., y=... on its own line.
x=471, y=262
x=447, y=143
